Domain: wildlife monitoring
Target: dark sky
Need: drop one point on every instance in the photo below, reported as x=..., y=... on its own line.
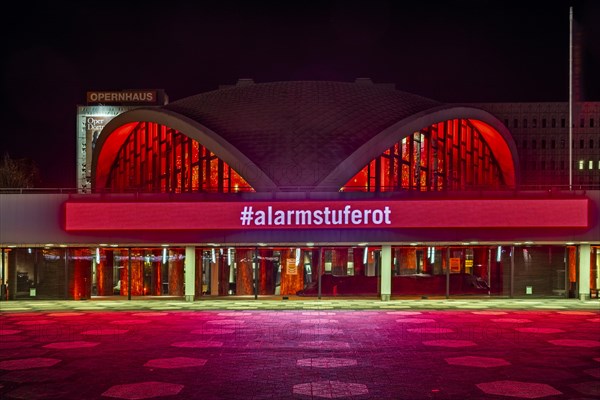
x=453, y=51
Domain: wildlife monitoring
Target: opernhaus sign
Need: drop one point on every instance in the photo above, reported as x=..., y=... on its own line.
x=133, y=96
x=373, y=214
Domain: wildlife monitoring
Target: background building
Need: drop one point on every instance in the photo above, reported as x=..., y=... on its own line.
x=541, y=132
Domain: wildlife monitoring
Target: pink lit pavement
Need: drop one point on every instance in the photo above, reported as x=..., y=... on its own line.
x=117, y=350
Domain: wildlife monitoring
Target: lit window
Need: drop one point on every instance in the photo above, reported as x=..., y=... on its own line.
x=599, y=164
x=183, y=165
x=418, y=162
x=591, y=165
x=581, y=164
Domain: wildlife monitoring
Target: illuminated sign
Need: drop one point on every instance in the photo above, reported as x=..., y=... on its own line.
x=320, y=216
x=372, y=214
x=455, y=265
x=290, y=267
x=133, y=96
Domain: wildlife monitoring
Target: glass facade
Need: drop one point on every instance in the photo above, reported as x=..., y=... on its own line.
x=456, y=270
x=33, y=272
x=449, y=155
x=151, y=271
x=254, y=271
x=466, y=270
x=155, y=158
x=83, y=273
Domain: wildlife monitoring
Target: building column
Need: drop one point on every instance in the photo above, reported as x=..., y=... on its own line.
x=190, y=273
x=386, y=272
x=584, y=271
x=512, y=272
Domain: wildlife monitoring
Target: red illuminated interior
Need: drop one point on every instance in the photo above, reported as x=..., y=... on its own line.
x=458, y=154
x=149, y=157
x=107, y=153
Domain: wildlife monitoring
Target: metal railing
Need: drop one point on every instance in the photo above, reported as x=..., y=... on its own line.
x=309, y=189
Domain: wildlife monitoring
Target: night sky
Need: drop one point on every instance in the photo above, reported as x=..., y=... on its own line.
x=452, y=51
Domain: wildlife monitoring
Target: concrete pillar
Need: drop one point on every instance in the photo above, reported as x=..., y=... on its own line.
x=190, y=273
x=386, y=272
x=584, y=271
x=512, y=272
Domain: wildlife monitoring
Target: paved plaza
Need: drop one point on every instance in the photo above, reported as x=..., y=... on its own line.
x=300, y=349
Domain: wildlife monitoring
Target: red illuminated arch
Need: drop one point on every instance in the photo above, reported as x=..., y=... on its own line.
x=157, y=159
x=116, y=132
x=345, y=162
x=491, y=129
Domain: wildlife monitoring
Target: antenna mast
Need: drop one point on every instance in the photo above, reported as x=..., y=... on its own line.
x=570, y=98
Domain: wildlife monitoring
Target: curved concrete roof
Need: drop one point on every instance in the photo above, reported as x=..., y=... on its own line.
x=312, y=135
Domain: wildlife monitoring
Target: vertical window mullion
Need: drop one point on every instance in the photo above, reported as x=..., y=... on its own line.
x=220, y=173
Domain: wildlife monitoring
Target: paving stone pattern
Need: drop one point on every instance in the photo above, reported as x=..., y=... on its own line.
x=301, y=350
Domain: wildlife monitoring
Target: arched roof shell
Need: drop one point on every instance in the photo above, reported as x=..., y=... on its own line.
x=302, y=134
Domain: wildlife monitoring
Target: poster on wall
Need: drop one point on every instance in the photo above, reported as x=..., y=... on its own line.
x=93, y=127
x=290, y=266
x=468, y=264
x=90, y=122
x=455, y=265
x=101, y=108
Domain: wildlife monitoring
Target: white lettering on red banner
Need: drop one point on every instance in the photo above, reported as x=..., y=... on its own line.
x=270, y=216
x=375, y=214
